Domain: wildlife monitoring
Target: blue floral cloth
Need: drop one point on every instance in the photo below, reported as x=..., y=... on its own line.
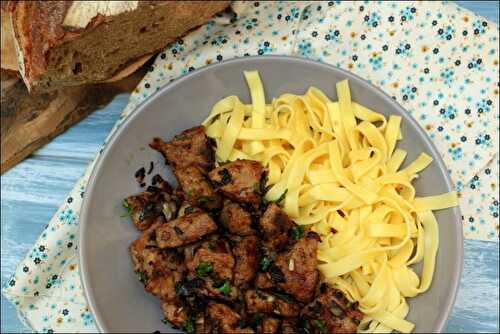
x=436, y=59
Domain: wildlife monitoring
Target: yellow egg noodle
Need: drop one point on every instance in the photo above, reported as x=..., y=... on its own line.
x=339, y=168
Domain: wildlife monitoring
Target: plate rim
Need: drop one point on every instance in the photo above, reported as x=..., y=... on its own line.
x=122, y=127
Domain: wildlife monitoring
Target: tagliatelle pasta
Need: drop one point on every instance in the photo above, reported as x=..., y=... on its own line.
x=339, y=168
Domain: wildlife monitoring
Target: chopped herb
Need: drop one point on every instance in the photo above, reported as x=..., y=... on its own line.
x=256, y=188
x=225, y=289
x=178, y=230
x=142, y=277
x=189, y=209
x=211, y=245
x=282, y=197
x=336, y=311
x=181, y=289
x=256, y=320
x=130, y=210
x=277, y=275
x=320, y=325
x=263, y=182
x=140, y=173
x=356, y=321
x=225, y=176
x=148, y=211
x=265, y=263
x=278, y=201
x=303, y=326
x=188, y=326
x=203, y=269
x=181, y=137
x=202, y=200
x=151, y=166
x=284, y=296
x=297, y=232
x=165, y=321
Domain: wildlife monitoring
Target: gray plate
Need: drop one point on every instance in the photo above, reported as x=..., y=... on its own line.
x=115, y=295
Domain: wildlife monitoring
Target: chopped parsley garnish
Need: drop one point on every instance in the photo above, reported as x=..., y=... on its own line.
x=189, y=209
x=336, y=311
x=127, y=206
x=142, y=277
x=297, y=232
x=203, y=269
x=279, y=200
x=188, y=326
x=149, y=210
x=225, y=176
x=265, y=263
x=202, y=200
x=284, y=296
x=277, y=275
x=165, y=321
x=178, y=230
x=320, y=325
x=225, y=289
x=282, y=197
x=181, y=290
x=303, y=326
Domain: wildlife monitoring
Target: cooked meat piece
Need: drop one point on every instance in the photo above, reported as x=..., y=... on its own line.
x=263, y=281
x=217, y=289
x=197, y=190
x=289, y=326
x=245, y=253
x=265, y=302
x=333, y=311
x=190, y=148
x=159, y=269
x=298, y=268
x=186, y=208
x=208, y=261
x=163, y=286
x=203, y=325
x=142, y=246
x=239, y=180
x=269, y=326
x=144, y=208
x=275, y=225
x=224, y=319
x=184, y=230
x=236, y=219
x=175, y=314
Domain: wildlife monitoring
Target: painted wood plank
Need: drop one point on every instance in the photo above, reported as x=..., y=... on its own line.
x=31, y=194
x=84, y=139
x=488, y=9
x=476, y=308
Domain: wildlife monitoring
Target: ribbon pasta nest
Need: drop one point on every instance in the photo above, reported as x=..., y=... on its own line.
x=337, y=168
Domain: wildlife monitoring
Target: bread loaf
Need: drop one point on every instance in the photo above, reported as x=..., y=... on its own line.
x=8, y=51
x=69, y=43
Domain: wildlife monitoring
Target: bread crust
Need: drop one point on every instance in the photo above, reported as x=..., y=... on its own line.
x=40, y=33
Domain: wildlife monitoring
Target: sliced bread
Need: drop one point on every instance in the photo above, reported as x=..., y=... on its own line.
x=69, y=43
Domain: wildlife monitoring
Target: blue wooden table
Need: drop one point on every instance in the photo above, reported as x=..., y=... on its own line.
x=32, y=191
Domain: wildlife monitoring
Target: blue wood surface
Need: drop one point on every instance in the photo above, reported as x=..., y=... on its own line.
x=32, y=191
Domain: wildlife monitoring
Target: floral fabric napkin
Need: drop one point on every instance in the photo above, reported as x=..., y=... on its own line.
x=439, y=61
